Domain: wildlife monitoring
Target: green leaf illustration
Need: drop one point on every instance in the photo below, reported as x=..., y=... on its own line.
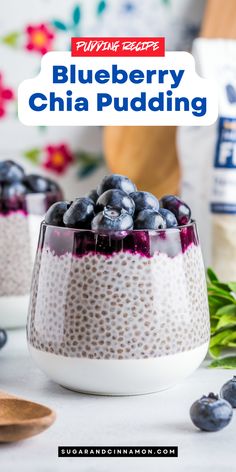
x=101, y=7
x=33, y=155
x=87, y=169
x=225, y=363
x=76, y=15
x=11, y=39
x=59, y=25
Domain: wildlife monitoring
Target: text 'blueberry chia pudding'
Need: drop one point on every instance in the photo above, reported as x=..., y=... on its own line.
x=118, y=302
x=24, y=199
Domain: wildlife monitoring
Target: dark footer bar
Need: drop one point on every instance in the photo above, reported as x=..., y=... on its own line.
x=117, y=451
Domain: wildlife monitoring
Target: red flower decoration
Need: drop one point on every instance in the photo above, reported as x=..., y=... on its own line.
x=58, y=158
x=40, y=38
x=6, y=94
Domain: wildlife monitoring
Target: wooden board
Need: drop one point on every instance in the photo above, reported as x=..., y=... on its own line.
x=146, y=154
x=219, y=19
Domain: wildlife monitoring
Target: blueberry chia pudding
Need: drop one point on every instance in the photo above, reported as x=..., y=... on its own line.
x=118, y=300
x=24, y=199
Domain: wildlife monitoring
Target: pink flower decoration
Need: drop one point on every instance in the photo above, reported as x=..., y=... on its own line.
x=6, y=94
x=40, y=38
x=58, y=158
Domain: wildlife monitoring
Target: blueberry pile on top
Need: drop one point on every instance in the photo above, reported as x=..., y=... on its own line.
x=117, y=205
x=14, y=183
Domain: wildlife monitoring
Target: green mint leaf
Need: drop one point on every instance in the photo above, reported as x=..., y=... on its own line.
x=215, y=351
x=225, y=363
x=59, y=25
x=226, y=321
x=232, y=286
x=76, y=15
x=216, y=301
x=227, y=310
x=230, y=339
x=221, y=294
x=220, y=285
x=211, y=275
x=220, y=337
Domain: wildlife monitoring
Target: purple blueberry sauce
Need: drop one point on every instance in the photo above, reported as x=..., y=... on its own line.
x=31, y=203
x=171, y=241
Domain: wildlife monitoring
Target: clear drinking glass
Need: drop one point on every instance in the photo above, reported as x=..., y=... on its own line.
x=20, y=219
x=121, y=314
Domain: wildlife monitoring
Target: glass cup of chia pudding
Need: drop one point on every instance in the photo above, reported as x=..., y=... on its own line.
x=24, y=199
x=118, y=315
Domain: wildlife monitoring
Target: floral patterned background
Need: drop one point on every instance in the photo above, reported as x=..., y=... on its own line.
x=29, y=29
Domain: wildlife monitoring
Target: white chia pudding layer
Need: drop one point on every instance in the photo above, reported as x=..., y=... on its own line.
x=124, y=306
x=15, y=255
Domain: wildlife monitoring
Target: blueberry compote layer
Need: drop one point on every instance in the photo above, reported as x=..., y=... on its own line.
x=34, y=203
x=172, y=241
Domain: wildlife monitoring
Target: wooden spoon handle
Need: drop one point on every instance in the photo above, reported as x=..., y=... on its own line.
x=5, y=395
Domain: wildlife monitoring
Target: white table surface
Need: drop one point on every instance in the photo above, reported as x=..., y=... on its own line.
x=157, y=419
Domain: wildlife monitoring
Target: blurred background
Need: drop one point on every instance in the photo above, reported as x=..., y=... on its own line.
x=162, y=160
x=78, y=157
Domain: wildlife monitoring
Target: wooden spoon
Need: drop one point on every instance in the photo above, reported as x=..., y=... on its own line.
x=21, y=419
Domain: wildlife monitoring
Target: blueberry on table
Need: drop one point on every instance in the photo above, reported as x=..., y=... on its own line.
x=80, y=214
x=115, y=199
x=13, y=190
x=92, y=195
x=3, y=338
x=117, y=181
x=211, y=413
x=228, y=391
x=149, y=219
x=144, y=201
x=55, y=213
x=180, y=209
x=169, y=217
x=37, y=184
x=11, y=172
x=112, y=219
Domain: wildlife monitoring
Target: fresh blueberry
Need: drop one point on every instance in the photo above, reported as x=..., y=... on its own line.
x=80, y=213
x=144, y=201
x=53, y=186
x=211, y=413
x=169, y=218
x=115, y=199
x=14, y=190
x=112, y=219
x=55, y=213
x=181, y=211
x=117, y=181
x=3, y=338
x=92, y=195
x=10, y=172
x=37, y=184
x=149, y=219
x=228, y=391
